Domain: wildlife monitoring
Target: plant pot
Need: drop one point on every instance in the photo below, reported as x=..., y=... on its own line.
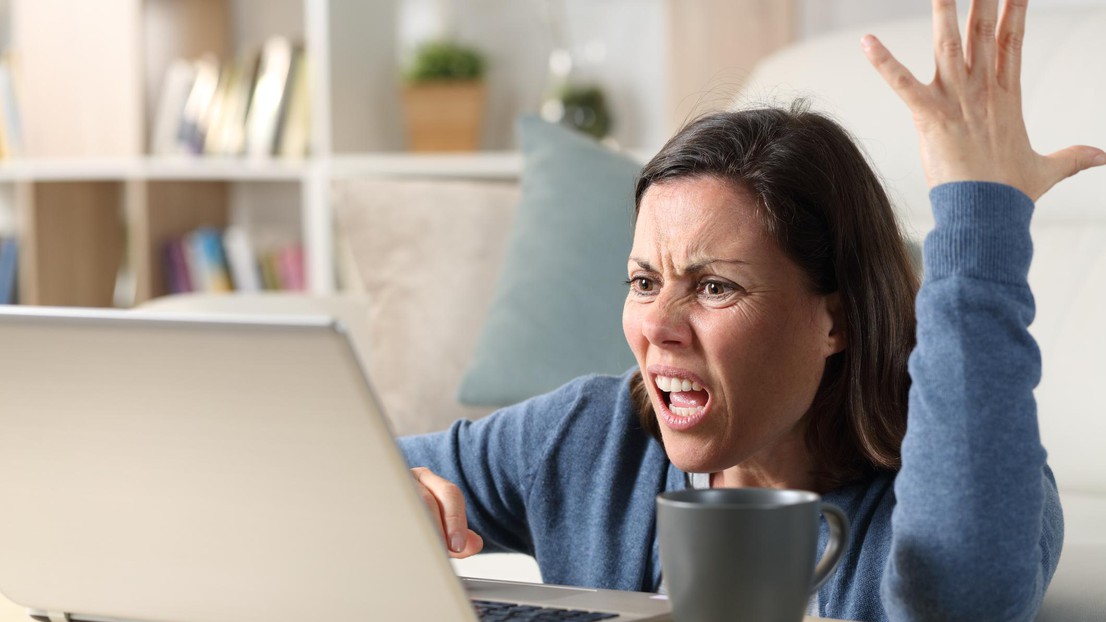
x=445, y=115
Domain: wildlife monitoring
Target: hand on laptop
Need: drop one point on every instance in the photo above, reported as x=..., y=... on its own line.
x=447, y=504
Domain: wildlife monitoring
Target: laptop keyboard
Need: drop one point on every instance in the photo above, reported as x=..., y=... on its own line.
x=492, y=611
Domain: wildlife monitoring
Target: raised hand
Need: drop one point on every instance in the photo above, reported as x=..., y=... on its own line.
x=969, y=118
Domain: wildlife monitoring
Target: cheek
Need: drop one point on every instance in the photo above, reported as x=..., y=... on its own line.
x=738, y=332
x=764, y=349
x=782, y=356
x=631, y=328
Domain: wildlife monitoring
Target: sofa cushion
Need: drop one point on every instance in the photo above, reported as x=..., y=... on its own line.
x=1068, y=277
x=427, y=254
x=558, y=303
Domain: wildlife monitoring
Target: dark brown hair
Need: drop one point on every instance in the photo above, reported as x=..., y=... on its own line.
x=826, y=208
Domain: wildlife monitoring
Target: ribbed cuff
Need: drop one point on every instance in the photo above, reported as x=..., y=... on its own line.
x=981, y=231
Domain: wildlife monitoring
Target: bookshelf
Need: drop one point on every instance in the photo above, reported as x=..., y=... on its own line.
x=89, y=195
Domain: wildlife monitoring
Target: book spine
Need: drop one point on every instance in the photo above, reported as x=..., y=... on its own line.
x=270, y=87
x=11, y=125
x=214, y=260
x=194, y=259
x=9, y=257
x=270, y=273
x=290, y=262
x=240, y=256
x=176, y=270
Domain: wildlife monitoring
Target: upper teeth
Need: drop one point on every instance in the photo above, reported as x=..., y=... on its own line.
x=666, y=383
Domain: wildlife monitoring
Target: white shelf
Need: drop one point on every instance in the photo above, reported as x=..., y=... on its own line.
x=118, y=179
x=504, y=165
x=152, y=168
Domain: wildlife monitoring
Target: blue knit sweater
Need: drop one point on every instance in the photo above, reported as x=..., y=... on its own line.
x=970, y=528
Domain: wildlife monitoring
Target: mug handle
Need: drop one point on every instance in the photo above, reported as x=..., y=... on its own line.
x=838, y=540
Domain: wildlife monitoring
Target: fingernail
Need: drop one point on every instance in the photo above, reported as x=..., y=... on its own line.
x=457, y=542
x=1100, y=159
x=866, y=41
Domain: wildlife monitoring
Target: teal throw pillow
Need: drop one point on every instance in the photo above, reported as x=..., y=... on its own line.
x=557, y=309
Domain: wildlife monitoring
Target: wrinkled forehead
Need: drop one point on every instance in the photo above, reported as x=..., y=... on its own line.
x=701, y=212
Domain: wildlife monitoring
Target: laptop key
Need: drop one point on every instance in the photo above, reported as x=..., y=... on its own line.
x=493, y=611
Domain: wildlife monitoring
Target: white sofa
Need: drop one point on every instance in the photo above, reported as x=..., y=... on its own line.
x=1063, y=105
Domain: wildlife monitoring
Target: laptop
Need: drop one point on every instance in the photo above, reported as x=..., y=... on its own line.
x=159, y=467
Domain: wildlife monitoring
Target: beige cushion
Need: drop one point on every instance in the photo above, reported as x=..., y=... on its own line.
x=428, y=254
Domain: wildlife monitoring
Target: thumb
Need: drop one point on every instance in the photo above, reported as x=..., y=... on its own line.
x=473, y=545
x=1067, y=162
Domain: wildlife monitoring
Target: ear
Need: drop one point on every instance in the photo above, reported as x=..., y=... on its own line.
x=837, y=337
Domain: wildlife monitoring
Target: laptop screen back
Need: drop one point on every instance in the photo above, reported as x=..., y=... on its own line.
x=194, y=469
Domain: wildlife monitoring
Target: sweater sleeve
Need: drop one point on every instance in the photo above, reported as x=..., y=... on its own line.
x=489, y=460
x=568, y=477
x=977, y=528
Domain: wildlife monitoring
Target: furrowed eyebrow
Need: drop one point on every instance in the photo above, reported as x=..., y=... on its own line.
x=698, y=266
x=702, y=264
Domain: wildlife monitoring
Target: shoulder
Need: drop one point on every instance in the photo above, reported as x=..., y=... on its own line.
x=586, y=405
x=589, y=427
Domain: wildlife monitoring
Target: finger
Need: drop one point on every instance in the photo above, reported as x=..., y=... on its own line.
x=897, y=76
x=473, y=545
x=982, y=25
x=451, y=505
x=947, y=49
x=1011, y=34
x=432, y=506
x=1067, y=162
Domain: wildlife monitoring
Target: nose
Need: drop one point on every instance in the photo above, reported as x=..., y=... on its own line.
x=666, y=323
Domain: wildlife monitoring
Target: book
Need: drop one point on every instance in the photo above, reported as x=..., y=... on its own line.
x=175, y=88
x=244, y=271
x=214, y=120
x=9, y=259
x=11, y=124
x=263, y=116
x=196, y=114
x=270, y=273
x=290, y=267
x=227, y=130
x=208, y=259
x=175, y=266
x=295, y=126
x=208, y=270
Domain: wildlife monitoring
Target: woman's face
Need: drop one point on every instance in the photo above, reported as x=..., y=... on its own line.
x=730, y=338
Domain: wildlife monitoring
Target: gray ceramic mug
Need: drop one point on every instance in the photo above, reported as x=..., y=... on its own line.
x=745, y=554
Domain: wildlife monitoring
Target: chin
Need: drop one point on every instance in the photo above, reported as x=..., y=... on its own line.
x=693, y=455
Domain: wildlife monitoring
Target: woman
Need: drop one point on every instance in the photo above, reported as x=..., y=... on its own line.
x=770, y=313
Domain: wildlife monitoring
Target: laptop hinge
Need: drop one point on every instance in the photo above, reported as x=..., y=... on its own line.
x=57, y=616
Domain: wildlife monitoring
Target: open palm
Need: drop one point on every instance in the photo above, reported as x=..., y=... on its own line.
x=969, y=118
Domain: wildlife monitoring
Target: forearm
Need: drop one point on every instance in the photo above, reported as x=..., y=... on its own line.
x=971, y=496
x=481, y=459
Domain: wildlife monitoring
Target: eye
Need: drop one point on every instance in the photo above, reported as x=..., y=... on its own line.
x=715, y=289
x=642, y=285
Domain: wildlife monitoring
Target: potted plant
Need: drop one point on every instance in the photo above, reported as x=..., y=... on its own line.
x=581, y=107
x=443, y=98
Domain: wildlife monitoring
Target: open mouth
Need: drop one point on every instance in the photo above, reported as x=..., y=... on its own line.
x=685, y=401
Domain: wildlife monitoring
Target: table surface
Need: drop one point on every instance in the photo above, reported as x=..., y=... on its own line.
x=11, y=612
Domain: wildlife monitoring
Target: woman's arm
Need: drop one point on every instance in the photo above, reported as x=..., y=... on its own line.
x=976, y=527
x=515, y=475
x=475, y=475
